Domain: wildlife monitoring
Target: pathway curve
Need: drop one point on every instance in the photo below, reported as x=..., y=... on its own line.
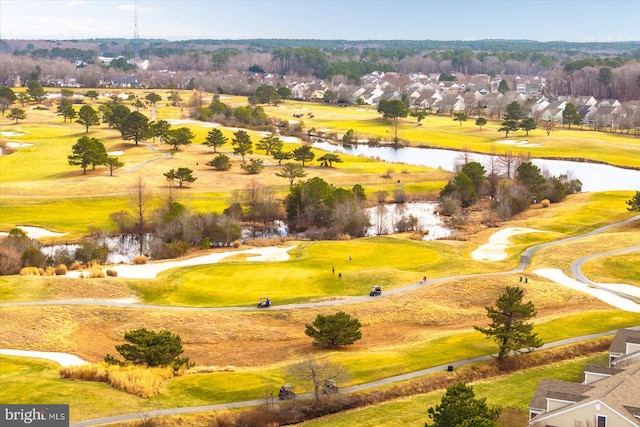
x=359, y=387
x=525, y=261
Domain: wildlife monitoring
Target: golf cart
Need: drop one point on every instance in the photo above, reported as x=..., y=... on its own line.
x=286, y=392
x=375, y=291
x=330, y=387
x=265, y=302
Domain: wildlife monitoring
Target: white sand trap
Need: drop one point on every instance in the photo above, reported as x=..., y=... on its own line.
x=523, y=143
x=115, y=153
x=194, y=122
x=64, y=359
x=36, y=232
x=9, y=133
x=499, y=241
x=151, y=270
x=18, y=145
x=560, y=278
x=290, y=139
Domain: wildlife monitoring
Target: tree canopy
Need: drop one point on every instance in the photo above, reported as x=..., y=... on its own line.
x=634, y=203
x=334, y=330
x=215, y=139
x=509, y=327
x=151, y=348
x=88, y=151
x=459, y=407
x=88, y=117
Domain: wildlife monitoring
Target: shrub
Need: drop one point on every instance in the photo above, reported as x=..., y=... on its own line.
x=30, y=271
x=140, y=259
x=89, y=251
x=49, y=271
x=32, y=257
x=10, y=262
x=112, y=273
x=162, y=250
x=236, y=243
x=545, y=203
x=61, y=270
x=75, y=266
x=96, y=272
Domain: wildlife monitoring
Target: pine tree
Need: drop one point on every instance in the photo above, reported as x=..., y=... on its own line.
x=509, y=326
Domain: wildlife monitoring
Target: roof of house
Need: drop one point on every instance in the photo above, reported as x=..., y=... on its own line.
x=618, y=345
x=619, y=392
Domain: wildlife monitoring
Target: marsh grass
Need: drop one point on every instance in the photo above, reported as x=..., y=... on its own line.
x=138, y=380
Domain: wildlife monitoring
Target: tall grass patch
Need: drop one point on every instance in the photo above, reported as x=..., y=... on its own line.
x=138, y=380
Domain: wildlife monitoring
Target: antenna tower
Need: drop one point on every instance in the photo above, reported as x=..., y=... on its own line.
x=136, y=35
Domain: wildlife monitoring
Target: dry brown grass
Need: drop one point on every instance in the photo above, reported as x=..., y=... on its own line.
x=255, y=339
x=61, y=270
x=138, y=380
x=140, y=259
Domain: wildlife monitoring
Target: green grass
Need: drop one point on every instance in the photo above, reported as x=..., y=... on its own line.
x=384, y=261
x=514, y=390
x=444, y=132
x=37, y=381
x=622, y=268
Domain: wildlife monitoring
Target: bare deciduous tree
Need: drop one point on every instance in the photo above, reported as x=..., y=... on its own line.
x=318, y=372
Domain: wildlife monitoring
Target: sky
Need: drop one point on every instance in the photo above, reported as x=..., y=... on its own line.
x=541, y=20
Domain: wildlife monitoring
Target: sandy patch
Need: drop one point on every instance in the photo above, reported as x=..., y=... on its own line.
x=18, y=145
x=194, y=122
x=523, y=143
x=115, y=153
x=495, y=250
x=151, y=270
x=605, y=295
x=64, y=359
x=36, y=232
x=290, y=139
x=10, y=133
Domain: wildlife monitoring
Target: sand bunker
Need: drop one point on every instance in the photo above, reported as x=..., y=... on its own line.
x=523, y=143
x=290, y=139
x=149, y=271
x=9, y=133
x=36, y=232
x=64, y=359
x=194, y=122
x=115, y=153
x=495, y=250
x=606, y=295
x=18, y=145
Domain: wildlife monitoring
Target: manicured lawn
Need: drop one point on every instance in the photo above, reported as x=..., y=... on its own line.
x=384, y=261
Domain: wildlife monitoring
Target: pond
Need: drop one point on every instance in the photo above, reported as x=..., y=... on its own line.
x=594, y=177
x=383, y=220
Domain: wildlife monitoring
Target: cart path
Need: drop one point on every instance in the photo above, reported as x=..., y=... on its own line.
x=525, y=261
x=359, y=387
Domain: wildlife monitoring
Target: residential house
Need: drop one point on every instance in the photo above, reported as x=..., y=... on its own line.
x=625, y=343
x=607, y=397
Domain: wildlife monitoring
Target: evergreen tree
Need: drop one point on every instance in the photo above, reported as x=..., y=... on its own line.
x=509, y=326
x=459, y=407
x=334, y=330
x=215, y=139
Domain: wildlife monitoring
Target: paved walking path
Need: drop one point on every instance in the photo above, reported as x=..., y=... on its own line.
x=359, y=387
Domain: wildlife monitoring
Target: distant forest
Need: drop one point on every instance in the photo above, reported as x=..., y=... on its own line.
x=573, y=68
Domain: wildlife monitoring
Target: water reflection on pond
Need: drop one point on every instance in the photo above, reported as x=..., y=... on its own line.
x=594, y=177
x=384, y=221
